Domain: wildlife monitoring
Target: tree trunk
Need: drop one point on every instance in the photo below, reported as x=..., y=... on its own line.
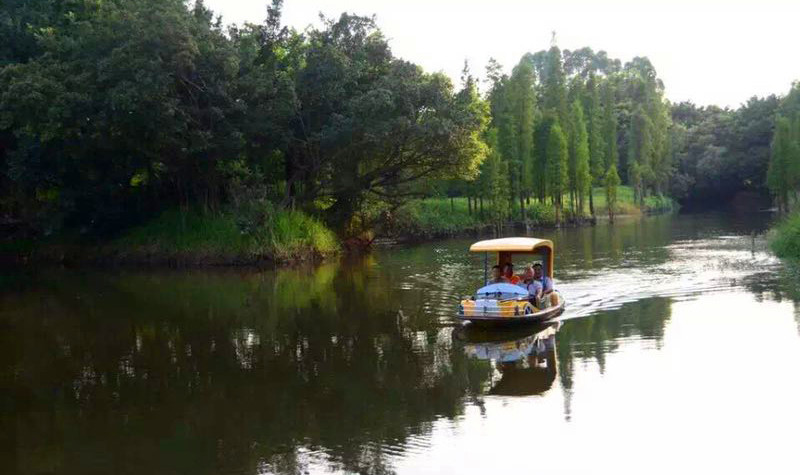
x=591, y=203
x=340, y=214
x=558, y=213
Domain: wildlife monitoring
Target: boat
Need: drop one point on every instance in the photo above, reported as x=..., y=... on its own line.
x=505, y=303
x=525, y=358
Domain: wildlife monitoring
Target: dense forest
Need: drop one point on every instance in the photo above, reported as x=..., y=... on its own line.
x=114, y=112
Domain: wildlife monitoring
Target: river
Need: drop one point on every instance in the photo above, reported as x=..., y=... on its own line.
x=678, y=352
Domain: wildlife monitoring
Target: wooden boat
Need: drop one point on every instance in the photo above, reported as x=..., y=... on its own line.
x=505, y=303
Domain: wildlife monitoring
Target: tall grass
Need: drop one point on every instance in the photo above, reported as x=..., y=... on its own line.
x=211, y=238
x=292, y=234
x=785, y=241
x=433, y=217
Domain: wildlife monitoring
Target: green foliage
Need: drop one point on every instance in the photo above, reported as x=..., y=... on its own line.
x=113, y=111
x=436, y=217
x=612, y=182
x=716, y=153
x=497, y=190
x=597, y=135
x=783, y=174
x=785, y=239
x=370, y=123
x=580, y=174
x=196, y=237
x=556, y=167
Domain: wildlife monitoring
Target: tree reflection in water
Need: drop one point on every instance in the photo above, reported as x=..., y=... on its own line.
x=217, y=372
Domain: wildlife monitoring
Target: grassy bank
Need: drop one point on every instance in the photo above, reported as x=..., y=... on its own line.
x=785, y=240
x=436, y=217
x=194, y=238
x=627, y=206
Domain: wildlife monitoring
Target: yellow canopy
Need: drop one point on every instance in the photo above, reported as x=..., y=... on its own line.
x=505, y=247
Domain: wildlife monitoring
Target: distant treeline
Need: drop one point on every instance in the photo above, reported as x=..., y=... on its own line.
x=113, y=111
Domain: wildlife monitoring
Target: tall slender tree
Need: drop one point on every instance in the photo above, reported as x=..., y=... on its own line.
x=611, y=176
x=523, y=103
x=781, y=171
x=579, y=174
x=596, y=130
x=556, y=168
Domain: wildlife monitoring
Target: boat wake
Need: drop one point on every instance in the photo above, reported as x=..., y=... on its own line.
x=691, y=268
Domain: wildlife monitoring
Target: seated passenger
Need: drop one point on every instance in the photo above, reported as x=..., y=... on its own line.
x=497, y=276
x=534, y=287
x=508, y=271
x=545, y=282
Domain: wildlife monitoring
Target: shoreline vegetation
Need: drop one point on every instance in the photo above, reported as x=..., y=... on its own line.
x=433, y=218
x=194, y=239
x=785, y=238
x=149, y=131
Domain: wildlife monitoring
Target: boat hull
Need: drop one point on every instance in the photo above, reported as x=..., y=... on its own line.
x=497, y=320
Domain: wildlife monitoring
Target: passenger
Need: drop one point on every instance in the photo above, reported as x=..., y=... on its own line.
x=508, y=271
x=497, y=276
x=533, y=286
x=545, y=282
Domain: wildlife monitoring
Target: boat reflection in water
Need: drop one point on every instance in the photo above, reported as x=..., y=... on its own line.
x=524, y=358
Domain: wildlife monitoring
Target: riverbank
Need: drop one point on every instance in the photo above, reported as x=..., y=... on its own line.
x=190, y=238
x=785, y=239
x=432, y=218
x=193, y=238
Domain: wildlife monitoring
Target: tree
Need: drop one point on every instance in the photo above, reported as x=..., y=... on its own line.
x=640, y=153
x=523, y=103
x=597, y=143
x=611, y=178
x=370, y=124
x=580, y=177
x=782, y=171
x=554, y=90
x=612, y=181
x=556, y=168
x=494, y=173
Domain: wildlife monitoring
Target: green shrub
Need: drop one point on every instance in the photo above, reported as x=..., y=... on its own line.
x=434, y=217
x=540, y=213
x=193, y=236
x=659, y=203
x=785, y=241
x=292, y=234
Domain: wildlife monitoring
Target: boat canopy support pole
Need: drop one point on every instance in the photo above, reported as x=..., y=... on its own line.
x=485, y=267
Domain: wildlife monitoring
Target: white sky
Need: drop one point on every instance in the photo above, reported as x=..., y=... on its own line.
x=708, y=51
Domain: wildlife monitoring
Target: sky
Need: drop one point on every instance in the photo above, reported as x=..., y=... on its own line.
x=718, y=52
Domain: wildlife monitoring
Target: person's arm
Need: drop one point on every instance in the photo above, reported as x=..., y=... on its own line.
x=548, y=285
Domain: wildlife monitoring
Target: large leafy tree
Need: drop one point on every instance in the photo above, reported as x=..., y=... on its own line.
x=128, y=104
x=367, y=122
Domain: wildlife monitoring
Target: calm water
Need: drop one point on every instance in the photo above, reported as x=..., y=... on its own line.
x=679, y=351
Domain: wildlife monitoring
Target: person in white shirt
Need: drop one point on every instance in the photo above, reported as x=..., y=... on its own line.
x=533, y=286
